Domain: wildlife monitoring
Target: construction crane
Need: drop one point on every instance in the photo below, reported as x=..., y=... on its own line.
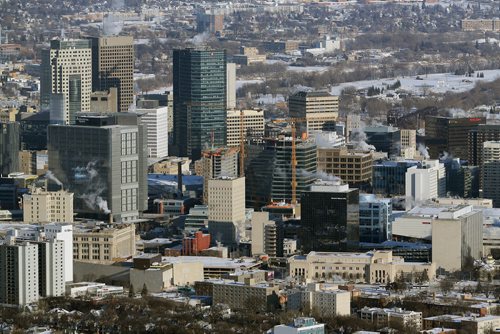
x=293, y=123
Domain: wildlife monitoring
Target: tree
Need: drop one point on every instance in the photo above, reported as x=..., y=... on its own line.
x=144, y=291
x=446, y=285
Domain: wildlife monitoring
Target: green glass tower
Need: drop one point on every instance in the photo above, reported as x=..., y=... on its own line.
x=199, y=100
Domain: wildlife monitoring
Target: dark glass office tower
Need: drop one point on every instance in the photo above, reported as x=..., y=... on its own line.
x=9, y=148
x=199, y=100
x=329, y=217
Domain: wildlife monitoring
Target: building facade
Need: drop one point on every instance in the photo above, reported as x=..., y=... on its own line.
x=42, y=206
x=423, y=182
x=319, y=109
x=490, y=171
x=9, y=148
x=252, y=122
x=156, y=122
x=375, y=218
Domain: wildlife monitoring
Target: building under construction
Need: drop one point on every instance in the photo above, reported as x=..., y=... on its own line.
x=269, y=170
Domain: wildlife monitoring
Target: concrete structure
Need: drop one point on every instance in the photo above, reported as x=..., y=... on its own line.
x=252, y=123
x=41, y=206
x=371, y=267
x=156, y=123
x=408, y=139
x=477, y=137
x=215, y=163
x=231, y=85
x=389, y=177
x=395, y=317
x=196, y=244
x=170, y=165
x=468, y=324
x=353, y=167
x=322, y=299
x=425, y=182
x=64, y=233
x=375, y=219
x=353, y=121
x=66, y=79
x=265, y=239
x=385, y=139
x=457, y=237
x=320, y=109
x=99, y=290
x=104, y=101
x=102, y=243
x=109, y=173
x=113, y=67
x=489, y=171
x=248, y=55
x=300, y=326
x=329, y=217
x=199, y=118
x=9, y=148
x=258, y=296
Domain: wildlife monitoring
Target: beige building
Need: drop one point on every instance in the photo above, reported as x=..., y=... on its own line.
x=353, y=121
x=264, y=235
x=113, y=66
x=261, y=296
x=251, y=120
x=371, y=267
x=322, y=299
x=27, y=162
x=353, y=167
x=457, y=235
x=48, y=207
x=170, y=165
x=408, y=139
x=320, y=109
x=383, y=317
x=104, y=101
x=481, y=25
x=226, y=199
x=103, y=243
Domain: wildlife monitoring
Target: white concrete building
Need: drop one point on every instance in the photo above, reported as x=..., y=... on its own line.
x=457, y=235
x=231, y=85
x=490, y=171
x=426, y=182
x=43, y=206
x=390, y=317
x=51, y=267
x=323, y=299
x=251, y=120
x=156, y=121
x=63, y=232
x=226, y=199
x=300, y=326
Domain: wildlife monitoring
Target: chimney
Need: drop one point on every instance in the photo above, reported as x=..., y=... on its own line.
x=179, y=178
x=110, y=218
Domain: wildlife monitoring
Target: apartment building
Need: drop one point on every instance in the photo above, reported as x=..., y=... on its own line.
x=391, y=317
x=261, y=296
x=323, y=299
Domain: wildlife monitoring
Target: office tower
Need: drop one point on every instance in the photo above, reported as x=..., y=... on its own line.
x=231, y=85
x=216, y=163
x=490, y=171
x=199, y=100
x=461, y=180
x=329, y=217
x=385, y=139
x=28, y=162
x=160, y=100
x=479, y=135
x=66, y=79
x=64, y=233
x=47, y=206
x=19, y=275
x=9, y=148
x=320, y=109
x=102, y=160
x=113, y=66
x=226, y=209
x=425, y=182
x=457, y=237
x=375, y=218
x=353, y=122
x=104, y=101
x=252, y=122
x=389, y=177
x=447, y=134
x=408, y=139
x=156, y=122
x=353, y=167
x=33, y=130
x=269, y=170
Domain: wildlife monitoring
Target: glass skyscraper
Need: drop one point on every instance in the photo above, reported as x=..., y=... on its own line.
x=199, y=100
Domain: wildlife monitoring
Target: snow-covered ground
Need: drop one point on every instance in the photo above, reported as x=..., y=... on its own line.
x=437, y=83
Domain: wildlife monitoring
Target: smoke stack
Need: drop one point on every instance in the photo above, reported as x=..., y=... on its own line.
x=110, y=218
x=179, y=178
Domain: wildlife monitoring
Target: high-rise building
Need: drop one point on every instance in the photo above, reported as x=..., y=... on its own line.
x=408, y=139
x=231, y=85
x=63, y=232
x=490, y=171
x=451, y=135
x=457, y=237
x=353, y=121
x=461, y=180
x=216, y=163
x=104, y=101
x=9, y=148
x=320, y=109
x=102, y=160
x=479, y=135
x=269, y=170
x=389, y=177
x=266, y=236
x=252, y=121
x=375, y=215
x=353, y=167
x=199, y=100
x=51, y=268
x=113, y=66
x=329, y=217
x=66, y=79
x=385, y=139
x=42, y=206
x=209, y=22
x=425, y=182
x=156, y=121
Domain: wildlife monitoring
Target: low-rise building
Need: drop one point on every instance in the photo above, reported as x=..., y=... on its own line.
x=325, y=300
x=257, y=296
x=299, y=326
x=391, y=317
x=472, y=324
x=371, y=267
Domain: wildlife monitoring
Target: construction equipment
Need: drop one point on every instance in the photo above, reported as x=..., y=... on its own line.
x=293, y=123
